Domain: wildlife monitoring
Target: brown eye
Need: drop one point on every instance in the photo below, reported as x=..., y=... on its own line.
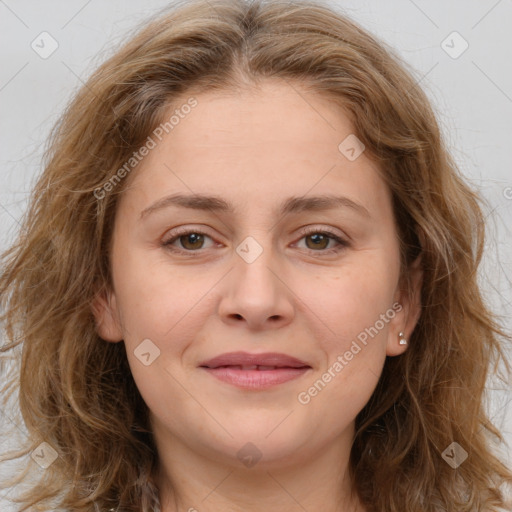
x=319, y=241
x=186, y=241
x=192, y=241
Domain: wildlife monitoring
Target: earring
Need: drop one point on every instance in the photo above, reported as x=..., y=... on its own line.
x=402, y=341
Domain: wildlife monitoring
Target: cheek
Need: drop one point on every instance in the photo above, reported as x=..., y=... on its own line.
x=350, y=300
x=154, y=298
x=338, y=398
x=353, y=310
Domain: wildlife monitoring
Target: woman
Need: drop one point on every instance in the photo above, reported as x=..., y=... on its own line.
x=247, y=281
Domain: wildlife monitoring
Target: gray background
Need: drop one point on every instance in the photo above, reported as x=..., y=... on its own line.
x=471, y=92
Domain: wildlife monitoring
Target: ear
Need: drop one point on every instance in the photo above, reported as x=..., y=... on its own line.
x=104, y=309
x=409, y=297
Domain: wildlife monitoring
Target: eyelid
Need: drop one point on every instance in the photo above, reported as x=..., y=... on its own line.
x=181, y=230
x=323, y=229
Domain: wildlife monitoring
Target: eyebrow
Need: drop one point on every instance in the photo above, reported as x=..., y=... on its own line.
x=290, y=205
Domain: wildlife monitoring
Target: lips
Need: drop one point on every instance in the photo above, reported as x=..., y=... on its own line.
x=262, y=362
x=255, y=372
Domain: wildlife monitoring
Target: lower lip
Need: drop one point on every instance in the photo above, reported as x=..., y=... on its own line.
x=256, y=379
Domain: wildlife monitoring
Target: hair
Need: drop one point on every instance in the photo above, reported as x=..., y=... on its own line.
x=76, y=391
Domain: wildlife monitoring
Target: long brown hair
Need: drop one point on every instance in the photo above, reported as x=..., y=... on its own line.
x=75, y=390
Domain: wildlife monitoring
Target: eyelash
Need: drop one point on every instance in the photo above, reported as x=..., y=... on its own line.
x=343, y=244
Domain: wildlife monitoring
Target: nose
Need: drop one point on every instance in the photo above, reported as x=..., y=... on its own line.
x=256, y=294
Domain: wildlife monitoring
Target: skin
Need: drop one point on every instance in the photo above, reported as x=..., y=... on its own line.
x=255, y=149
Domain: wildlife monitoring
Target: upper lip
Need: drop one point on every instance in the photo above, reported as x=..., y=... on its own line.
x=247, y=359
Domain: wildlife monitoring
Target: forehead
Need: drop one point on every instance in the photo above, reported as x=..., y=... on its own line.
x=266, y=116
x=268, y=142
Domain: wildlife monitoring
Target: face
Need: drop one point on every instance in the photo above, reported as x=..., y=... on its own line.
x=258, y=266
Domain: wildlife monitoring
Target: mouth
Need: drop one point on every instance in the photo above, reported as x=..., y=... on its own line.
x=255, y=371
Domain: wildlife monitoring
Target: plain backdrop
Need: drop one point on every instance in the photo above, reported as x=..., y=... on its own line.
x=461, y=51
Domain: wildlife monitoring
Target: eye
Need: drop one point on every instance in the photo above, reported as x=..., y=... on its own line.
x=191, y=240
x=318, y=240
